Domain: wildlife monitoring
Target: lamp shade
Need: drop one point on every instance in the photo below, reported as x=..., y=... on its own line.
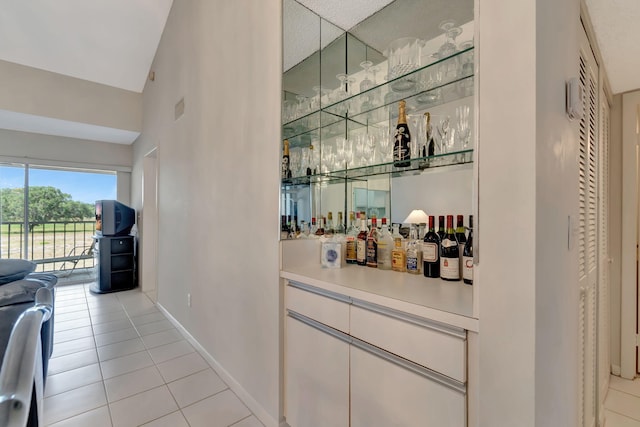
x=417, y=216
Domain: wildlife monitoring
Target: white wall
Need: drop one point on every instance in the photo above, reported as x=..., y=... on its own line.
x=218, y=180
x=42, y=93
x=527, y=277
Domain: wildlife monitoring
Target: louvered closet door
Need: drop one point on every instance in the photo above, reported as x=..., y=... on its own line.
x=588, y=228
x=604, y=262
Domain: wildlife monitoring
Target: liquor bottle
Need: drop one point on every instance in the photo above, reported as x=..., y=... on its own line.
x=441, y=232
x=467, y=256
x=320, y=229
x=398, y=256
x=284, y=228
x=314, y=227
x=450, y=254
x=414, y=253
x=431, y=251
x=310, y=154
x=352, y=236
x=286, y=167
x=401, y=145
x=339, y=227
x=329, y=229
x=361, y=242
x=430, y=144
x=372, y=244
x=461, y=237
x=385, y=245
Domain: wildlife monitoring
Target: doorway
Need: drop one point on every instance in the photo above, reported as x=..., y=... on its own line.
x=629, y=297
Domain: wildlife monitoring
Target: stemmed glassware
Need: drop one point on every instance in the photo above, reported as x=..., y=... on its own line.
x=451, y=32
x=443, y=131
x=463, y=128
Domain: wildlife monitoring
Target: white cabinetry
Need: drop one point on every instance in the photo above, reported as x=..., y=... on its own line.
x=384, y=367
x=316, y=377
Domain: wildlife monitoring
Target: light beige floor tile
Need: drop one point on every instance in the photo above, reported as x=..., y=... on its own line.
x=220, y=410
x=132, y=383
x=72, y=361
x=125, y=364
x=73, y=299
x=104, y=309
x=251, y=421
x=116, y=325
x=147, y=318
x=162, y=338
x=613, y=419
x=71, y=308
x=64, y=317
x=135, y=310
x=193, y=388
x=72, y=324
x=182, y=366
x=74, y=378
x=120, y=349
x=174, y=419
x=72, y=334
x=154, y=327
x=170, y=351
x=97, y=319
x=74, y=346
x=116, y=336
x=99, y=417
x=623, y=403
x=74, y=402
x=627, y=386
x=143, y=407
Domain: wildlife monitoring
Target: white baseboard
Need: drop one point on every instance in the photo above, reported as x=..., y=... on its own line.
x=234, y=385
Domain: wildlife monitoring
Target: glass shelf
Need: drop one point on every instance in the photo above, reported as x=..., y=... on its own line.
x=424, y=87
x=418, y=165
x=437, y=83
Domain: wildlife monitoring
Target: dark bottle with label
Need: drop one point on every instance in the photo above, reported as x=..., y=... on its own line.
x=401, y=144
x=286, y=167
x=450, y=254
x=441, y=232
x=430, y=144
x=467, y=256
x=461, y=236
x=372, y=244
x=431, y=251
x=361, y=242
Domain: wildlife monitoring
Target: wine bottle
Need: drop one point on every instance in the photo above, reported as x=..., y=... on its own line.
x=467, y=256
x=401, y=145
x=314, y=226
x=441, y=232
x=461, y=237
x=372, y=244
x=328, y=228
x=320, y=229
x=431, y=145
x=385, y=245
x=431, y=251
x=398, y=256
x=286, y=166
x=361, y=242
x=414, y=253
x=450, y=254
x=339, y=227
x=352, y=236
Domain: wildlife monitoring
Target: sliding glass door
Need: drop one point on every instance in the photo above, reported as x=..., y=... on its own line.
x=13, y=240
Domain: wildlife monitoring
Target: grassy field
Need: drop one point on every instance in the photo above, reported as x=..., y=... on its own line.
x=51, y=240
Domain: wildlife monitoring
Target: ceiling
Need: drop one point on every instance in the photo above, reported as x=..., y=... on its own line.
x=113, y=42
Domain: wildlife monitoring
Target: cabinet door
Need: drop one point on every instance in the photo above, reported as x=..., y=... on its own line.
x=316, y=376
x=386, y=394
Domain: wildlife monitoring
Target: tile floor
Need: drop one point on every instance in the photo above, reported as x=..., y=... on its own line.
x=117, y=362
x=622, y=404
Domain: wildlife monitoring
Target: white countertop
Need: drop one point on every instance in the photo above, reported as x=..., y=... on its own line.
x=435, y=299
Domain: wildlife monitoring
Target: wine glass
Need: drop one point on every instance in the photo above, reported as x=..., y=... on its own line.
x=463, y=128
x=384, y=144
x=443, y=132
x=366, y=83
x=451, y=32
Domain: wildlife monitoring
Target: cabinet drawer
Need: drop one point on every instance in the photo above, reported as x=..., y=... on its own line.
x=122, y=246
x=439, y=347
x=322, y=306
